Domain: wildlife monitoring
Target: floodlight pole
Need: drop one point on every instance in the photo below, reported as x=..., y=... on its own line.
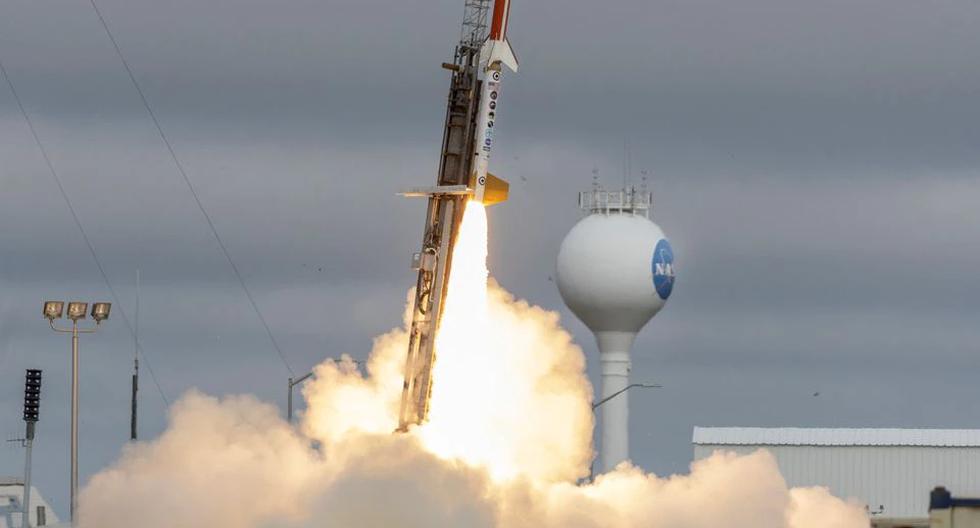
x=74, y=420
x=75, y=331
x=28, y=445
x=32, y=413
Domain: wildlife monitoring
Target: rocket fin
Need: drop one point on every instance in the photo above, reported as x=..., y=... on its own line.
x=496, y=190
x=498, y=51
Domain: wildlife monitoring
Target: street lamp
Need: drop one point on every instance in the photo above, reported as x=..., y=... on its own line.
x=289, y=399
x=294, y=382
x=76, y=312
x=620, y=391
x=596, y=405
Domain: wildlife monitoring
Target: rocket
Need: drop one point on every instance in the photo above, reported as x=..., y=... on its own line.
x=467, y=141
x=496, y=52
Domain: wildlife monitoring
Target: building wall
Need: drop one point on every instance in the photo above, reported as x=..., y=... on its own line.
x=11, y=495
x=898, y=478
x=956, y=518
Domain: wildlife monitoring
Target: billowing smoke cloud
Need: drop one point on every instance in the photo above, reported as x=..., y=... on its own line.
x=509, y=436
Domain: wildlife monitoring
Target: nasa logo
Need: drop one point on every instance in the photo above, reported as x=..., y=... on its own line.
x=663, y=269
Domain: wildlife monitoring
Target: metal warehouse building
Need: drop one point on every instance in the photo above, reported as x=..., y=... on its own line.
x=891, y=470
x=11, y=505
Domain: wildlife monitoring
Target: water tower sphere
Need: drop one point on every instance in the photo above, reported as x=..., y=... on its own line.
x=615, y=271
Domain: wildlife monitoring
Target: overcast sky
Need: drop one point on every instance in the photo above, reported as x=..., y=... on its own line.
x=816, y=165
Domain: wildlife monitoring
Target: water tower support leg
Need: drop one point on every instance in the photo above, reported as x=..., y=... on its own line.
x=614, y=359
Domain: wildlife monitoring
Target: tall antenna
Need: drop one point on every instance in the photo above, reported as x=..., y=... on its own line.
x=133, y=433
x=629, y=161
x=627, y=164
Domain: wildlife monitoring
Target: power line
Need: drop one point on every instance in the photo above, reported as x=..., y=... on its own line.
x=190, y=187
x=81, y=229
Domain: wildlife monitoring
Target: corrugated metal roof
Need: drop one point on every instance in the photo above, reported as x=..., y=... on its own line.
x=836, y=437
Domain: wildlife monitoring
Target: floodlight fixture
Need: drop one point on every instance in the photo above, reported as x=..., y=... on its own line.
x=53, y=310
x=32, y=395
x=76, y=310
x=32, y=406
x=100, y=311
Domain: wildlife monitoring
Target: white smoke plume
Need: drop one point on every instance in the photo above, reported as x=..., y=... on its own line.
x=509, y=436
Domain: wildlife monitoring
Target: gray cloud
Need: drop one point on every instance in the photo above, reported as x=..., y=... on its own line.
x=814, y=164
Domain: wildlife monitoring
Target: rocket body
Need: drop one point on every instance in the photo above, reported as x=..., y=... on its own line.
x=496, y=52
x=484, y=138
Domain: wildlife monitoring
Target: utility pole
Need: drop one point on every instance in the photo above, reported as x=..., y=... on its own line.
x=32, y=407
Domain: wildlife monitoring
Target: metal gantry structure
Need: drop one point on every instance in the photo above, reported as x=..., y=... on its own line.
x=475, y=23
x=468, y=134
x=444, y=214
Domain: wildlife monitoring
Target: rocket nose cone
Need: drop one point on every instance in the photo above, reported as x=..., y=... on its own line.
x=498, y=26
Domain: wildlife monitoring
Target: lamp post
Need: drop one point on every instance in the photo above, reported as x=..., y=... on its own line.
x=596, y=405
x=620, y=391
x=297, y=381
x=289, y=400
x=32, y=407
x=76, y=312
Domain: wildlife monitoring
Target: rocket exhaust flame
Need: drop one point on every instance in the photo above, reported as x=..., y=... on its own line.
x=461, y=341
x=467, y=413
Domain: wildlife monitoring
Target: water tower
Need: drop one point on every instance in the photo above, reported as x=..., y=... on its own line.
x=615, y=272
